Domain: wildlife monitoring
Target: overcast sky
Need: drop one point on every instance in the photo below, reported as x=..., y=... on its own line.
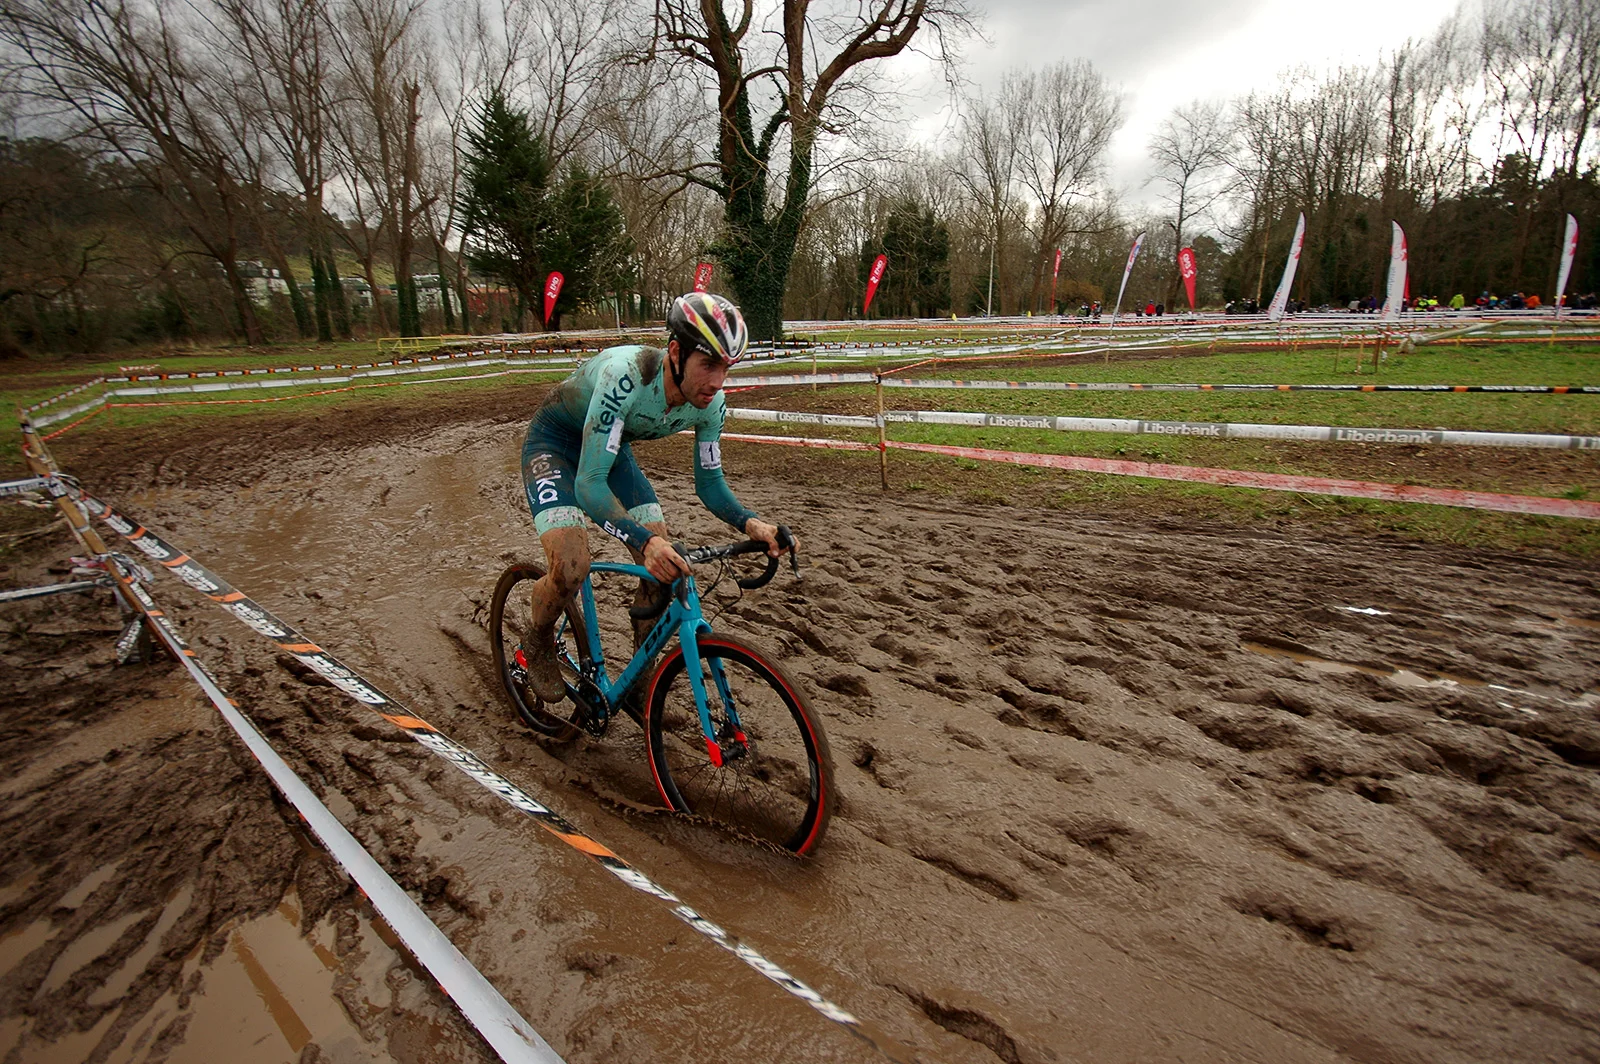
x=1166, y=52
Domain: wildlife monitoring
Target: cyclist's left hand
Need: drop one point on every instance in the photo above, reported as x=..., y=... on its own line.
x=758, y=529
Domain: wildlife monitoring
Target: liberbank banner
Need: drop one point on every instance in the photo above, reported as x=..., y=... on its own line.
x=1202, y=429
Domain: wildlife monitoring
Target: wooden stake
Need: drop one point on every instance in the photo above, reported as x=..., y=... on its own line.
x=883, y=440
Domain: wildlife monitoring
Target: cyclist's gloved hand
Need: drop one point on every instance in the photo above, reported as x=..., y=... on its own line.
x=664, y=563
x=758, y=529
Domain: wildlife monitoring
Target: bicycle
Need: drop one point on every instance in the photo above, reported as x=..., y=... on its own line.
x=729, y=735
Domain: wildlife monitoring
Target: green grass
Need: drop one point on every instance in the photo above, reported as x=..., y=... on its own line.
x=1557, y=474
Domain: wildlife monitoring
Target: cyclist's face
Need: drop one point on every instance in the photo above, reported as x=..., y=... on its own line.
x=702, y=379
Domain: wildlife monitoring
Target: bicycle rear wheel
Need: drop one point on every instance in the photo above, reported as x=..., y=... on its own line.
x=510, y=617
x=776, y=779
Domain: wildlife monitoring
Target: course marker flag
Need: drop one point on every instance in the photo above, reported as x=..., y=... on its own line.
x=1280, y=298
x=1395, y=297
x=1569, y=249
x=1133, y=253
x=552, y=291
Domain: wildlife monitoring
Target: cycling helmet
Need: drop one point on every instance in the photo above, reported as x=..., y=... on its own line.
x=710, y=323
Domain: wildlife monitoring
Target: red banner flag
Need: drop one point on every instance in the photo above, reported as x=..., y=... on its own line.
x=1187, y=267
x=1054, y=273
x=873, y=278
x=702, y=277
x=552, y=289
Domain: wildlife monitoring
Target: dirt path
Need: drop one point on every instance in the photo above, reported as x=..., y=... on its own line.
x=1109, y=790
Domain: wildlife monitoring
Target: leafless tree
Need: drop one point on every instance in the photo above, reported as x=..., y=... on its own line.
x=1191, y=152
x=1068, y=114
x=279, y=57
x=120, y=73
x=380, y=138
x=779, y=83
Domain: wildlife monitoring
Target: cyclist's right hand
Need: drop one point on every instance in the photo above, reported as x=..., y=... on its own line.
x=664, y=563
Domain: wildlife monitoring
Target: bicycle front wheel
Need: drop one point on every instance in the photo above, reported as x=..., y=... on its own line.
x=776, y=777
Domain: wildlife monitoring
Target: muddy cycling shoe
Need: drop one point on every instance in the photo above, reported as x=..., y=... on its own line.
x=537, y=657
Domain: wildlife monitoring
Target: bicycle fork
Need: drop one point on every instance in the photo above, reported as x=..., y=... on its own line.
x=731, y=728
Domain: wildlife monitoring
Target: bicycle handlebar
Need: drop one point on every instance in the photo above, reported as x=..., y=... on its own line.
x=655, y=607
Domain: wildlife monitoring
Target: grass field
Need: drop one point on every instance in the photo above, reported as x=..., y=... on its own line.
x=1557, y=474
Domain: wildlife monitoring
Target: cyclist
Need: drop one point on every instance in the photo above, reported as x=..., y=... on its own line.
x=576, y=461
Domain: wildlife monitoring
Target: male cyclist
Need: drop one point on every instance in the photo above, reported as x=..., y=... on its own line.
x=577, y=461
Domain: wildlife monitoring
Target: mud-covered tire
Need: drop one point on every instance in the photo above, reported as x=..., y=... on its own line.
x=509, y=615
x=777, y=786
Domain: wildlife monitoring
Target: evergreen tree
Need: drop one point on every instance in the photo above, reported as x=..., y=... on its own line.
x=917, y=282
x=585, y=241
x=506, y=217
x=520, y=225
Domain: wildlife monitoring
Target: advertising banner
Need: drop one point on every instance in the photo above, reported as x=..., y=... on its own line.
x=1569, y=249
x=1395, y=298
x=1280, y=299
x=552, y=289
x=1133, y=253
x=1189, y=270
x=878, y=266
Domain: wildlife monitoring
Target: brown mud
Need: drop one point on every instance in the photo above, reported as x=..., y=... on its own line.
x=1111, y=788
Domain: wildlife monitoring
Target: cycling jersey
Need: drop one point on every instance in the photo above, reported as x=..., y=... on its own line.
x=576, y=458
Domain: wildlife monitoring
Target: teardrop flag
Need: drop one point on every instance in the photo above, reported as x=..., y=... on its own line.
x=1569, y=248
x=1395, y=297
x=878, y=266
x=1133, y=253
x=552, y=289
x=1280, y=299
x=1188, y=269
x=702, y=277
x=1054, y=273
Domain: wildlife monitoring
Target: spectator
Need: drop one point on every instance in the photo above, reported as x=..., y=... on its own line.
x=1458, y=301
x=1532, y=302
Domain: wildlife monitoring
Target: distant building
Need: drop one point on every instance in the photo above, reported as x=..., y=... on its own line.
x=357, y=291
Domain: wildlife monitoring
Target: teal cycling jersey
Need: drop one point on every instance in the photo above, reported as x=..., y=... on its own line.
x=614, y=398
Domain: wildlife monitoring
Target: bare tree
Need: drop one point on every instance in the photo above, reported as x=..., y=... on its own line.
x=1068, y=114
x=379, y=127
x=120, y=74
x=280, y=61
x=778, y=84
x=991, y=131
x=1191, y=151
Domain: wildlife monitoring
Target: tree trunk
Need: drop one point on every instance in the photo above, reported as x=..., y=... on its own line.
x=444, y=294
x=249, y=323
x=321, y=294
x=378, y=319
x=297, y=300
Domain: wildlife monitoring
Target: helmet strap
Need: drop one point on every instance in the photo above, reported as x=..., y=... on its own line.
x=677, y=370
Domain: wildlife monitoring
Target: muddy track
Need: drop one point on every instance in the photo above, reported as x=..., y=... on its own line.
x=1109, y=789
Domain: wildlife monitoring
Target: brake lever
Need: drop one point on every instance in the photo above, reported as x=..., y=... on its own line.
x=786, y=539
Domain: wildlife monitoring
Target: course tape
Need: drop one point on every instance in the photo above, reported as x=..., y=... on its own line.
x=352, y=684
x=1200, y=429
x=1232, y=478
x=511, y=1036
x=1064, y=386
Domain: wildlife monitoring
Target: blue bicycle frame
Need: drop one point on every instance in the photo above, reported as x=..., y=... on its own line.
x=683, y=618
